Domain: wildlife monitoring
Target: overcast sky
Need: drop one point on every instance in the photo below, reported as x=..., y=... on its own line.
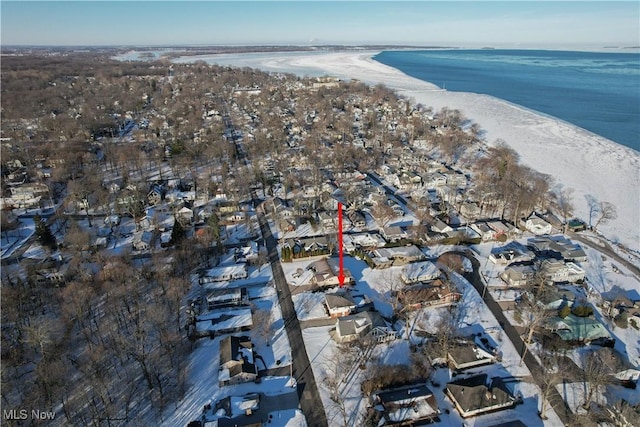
x=452, y=23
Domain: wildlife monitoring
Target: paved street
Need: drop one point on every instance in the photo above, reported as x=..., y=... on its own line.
x=307, y=390
x=530, y=361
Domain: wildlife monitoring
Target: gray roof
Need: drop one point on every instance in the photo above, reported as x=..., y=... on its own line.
x=339, y=299
x=473, y=394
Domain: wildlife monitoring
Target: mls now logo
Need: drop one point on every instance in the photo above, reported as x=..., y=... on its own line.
x=23, y=414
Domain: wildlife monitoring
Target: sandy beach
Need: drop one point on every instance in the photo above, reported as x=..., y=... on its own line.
x=576, y=158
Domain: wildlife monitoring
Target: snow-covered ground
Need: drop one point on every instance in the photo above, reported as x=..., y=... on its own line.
x=309, y=305
x=576, y=158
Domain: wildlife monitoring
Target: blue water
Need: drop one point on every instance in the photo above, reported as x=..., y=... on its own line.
x=599, y=92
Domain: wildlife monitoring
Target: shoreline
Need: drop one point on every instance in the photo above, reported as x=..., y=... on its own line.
x=575, y=157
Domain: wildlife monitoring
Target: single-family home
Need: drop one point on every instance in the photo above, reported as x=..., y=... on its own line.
x=483, y=229
x=325, y=273
x=236, y=361
x=408, y=405
x=185, y=216
x=142, y=240
x=220, y=298
x=517, y=275
x=365, y=324
x=339, y=304
x=470, y=210
x=537, y=225
x=393, y=234
x=224, y=273
x=475, y=395
x=583, y=330
x=222, y=321
x=464, y=355
x=557, y=247
x=422, y=271
x=357, y=219
x=560, y=271
x=438, y=226
x=327, y=220
x=510, y=253
x=401, y=255
x=435, y=294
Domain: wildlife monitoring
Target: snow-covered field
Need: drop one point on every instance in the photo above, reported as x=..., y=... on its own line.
x=576, y=158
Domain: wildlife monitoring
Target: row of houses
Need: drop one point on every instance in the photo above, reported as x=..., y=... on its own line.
x=415, y=404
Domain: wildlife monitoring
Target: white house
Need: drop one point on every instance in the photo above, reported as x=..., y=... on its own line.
x=537, y=225
x=225, y=273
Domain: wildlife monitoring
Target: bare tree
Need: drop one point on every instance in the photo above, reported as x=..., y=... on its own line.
x=563, y=201
x=552, y=373
x=263, y=325
x=607, y=212
x=595, y=375
x=594, y=207
x=337, y=368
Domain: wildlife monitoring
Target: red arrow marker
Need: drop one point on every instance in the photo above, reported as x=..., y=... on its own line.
x=341, y=273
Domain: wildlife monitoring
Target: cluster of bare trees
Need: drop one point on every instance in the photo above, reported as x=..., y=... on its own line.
x=507, y=186
x=108, y=348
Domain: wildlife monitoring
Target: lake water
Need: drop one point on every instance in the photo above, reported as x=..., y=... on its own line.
x=599, y=92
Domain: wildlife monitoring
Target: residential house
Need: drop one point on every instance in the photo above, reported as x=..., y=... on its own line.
x=438, y=226
x=224, y=273
x=358, y=220
x=557, y=247
x=310, y=246
x=456, y=179
x=286, y=224
x=412, y=404
x=517, y=275
x=510, y=253
x=554, y=298
x=482, y=228
x=364, y=241
x=236, y=361
x=434, y=180
x=156, y=194
x=560, y=271
x=53, y=276
x=327, y=220
x=423, y=271
x=409, y=181
x=464, y=355
x=25, y=195
x=401, y=255
x=223, y=321
x=470, y=210
x=326, y=273
x=393, y=234
x=227, y=298
x=474, y=395
x=339, y=304
x=366, y=324
x=435, y=294
x=537, y=225
x=501, y=230
x=583, y=330
x=142, y=240
x=185, y=216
